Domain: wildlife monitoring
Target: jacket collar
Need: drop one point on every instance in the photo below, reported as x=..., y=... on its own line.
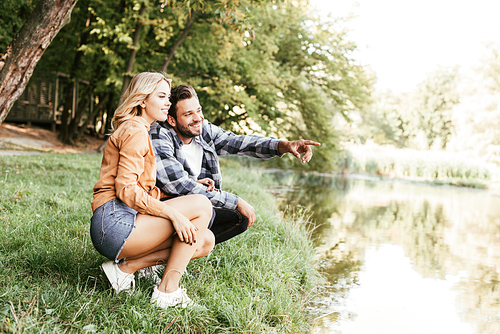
x=141, y=120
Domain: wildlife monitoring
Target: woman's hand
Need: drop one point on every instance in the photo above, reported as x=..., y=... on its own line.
x=208, y=182
x=185, y=230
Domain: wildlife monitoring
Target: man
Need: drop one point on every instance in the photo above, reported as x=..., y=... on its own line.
x=187, y=148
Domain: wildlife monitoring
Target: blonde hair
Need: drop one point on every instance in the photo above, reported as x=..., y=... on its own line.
x=141, y=86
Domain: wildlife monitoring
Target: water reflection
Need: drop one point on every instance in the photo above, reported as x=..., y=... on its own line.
x=401, y=257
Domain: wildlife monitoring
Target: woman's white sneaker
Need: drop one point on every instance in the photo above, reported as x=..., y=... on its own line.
x=119, y=280
x=165, y=300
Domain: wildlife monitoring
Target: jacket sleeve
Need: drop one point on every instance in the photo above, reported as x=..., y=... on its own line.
x=172, y=178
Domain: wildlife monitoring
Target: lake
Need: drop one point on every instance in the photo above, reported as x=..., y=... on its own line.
x=400, y=257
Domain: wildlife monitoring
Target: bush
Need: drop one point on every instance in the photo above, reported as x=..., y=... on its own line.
x=439, y=166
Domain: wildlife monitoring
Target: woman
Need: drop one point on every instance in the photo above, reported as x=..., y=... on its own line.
x=130, y=225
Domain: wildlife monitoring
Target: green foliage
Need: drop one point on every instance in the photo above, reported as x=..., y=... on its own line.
x=491, y=67
x=421, y=119
x=51, y=280
x=12, y=16
x=266, y=67
x=476, y=119
x=432, y=105
x=457, y=112
x=383, y=122
x=288, y=82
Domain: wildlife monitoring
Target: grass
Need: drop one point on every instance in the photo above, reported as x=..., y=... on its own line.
x=433, y=167
x=51, y=282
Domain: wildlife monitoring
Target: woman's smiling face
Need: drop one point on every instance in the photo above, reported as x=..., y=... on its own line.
x=155, y=107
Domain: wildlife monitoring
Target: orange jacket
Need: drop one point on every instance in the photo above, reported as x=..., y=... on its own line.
x=128, y=170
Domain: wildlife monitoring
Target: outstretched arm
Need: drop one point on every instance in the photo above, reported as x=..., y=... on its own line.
x=297, y=148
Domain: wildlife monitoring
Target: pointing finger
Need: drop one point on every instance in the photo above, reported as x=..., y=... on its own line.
x=310, y=142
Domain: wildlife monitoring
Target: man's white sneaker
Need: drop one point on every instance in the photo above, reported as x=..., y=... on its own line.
x=119, y=280
x=164, y=300
x=153, y=272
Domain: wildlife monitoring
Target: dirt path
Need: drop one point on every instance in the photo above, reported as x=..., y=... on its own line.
x=21, y=140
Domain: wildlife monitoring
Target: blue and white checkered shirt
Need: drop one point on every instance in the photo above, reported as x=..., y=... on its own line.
x=173, y=175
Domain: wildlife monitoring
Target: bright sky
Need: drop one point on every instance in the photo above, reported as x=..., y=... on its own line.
x=402, y=41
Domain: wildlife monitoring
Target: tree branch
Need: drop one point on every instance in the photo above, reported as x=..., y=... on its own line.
x=131, y=59
x=179, y=40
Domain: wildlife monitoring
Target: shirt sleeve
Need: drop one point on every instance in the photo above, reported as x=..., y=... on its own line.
x=227, y=143
x=133, y=155
x=172, y=179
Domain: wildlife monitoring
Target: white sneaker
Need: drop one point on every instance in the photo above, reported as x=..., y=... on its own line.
x=164, y=300
x=152, y=272
x=119, y=280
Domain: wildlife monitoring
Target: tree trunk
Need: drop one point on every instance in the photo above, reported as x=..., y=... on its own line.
x=110, y=111
x=179, y=41
x=73, y=133
x=83, y=128
x=26, y=49
x=64, y=131
x=130, y=66
x=68, y=105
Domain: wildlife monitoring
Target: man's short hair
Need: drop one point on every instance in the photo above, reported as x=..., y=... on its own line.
x=179, y=93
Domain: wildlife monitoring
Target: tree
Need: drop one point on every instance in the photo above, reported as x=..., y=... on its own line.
x=112, y=40
x=259, y=66
x=128, y=75
x=491, y=67
x=288, y=82
x=26, y=49
x=433, y=101
x=421, y=119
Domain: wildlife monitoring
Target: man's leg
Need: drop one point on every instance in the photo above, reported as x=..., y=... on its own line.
x=227, y=224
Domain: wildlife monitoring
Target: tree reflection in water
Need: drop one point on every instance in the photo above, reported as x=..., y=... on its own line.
x=443, y=230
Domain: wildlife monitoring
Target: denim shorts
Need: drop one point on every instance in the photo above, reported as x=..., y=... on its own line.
x=110, y=226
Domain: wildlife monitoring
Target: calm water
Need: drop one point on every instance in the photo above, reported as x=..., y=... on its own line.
x=402, y=258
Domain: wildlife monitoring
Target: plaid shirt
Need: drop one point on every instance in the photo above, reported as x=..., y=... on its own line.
x=175, y=177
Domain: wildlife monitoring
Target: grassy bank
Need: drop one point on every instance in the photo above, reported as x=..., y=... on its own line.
x=50, y=279
x=433, y=167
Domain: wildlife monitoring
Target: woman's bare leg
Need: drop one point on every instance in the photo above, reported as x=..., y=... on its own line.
x=160, y=254
x=144, y=246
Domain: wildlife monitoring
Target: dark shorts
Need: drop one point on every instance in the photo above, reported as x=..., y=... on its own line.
x=110, y=226
x=227, y=224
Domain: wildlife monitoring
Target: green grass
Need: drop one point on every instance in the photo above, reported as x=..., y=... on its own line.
x=51, y=281
x=433, y=167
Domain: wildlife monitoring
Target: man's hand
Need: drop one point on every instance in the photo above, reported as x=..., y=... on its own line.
x=297, y=148
x=246, y=210
x=209, y=183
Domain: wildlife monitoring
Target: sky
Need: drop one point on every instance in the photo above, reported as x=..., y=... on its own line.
x=402, y=41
